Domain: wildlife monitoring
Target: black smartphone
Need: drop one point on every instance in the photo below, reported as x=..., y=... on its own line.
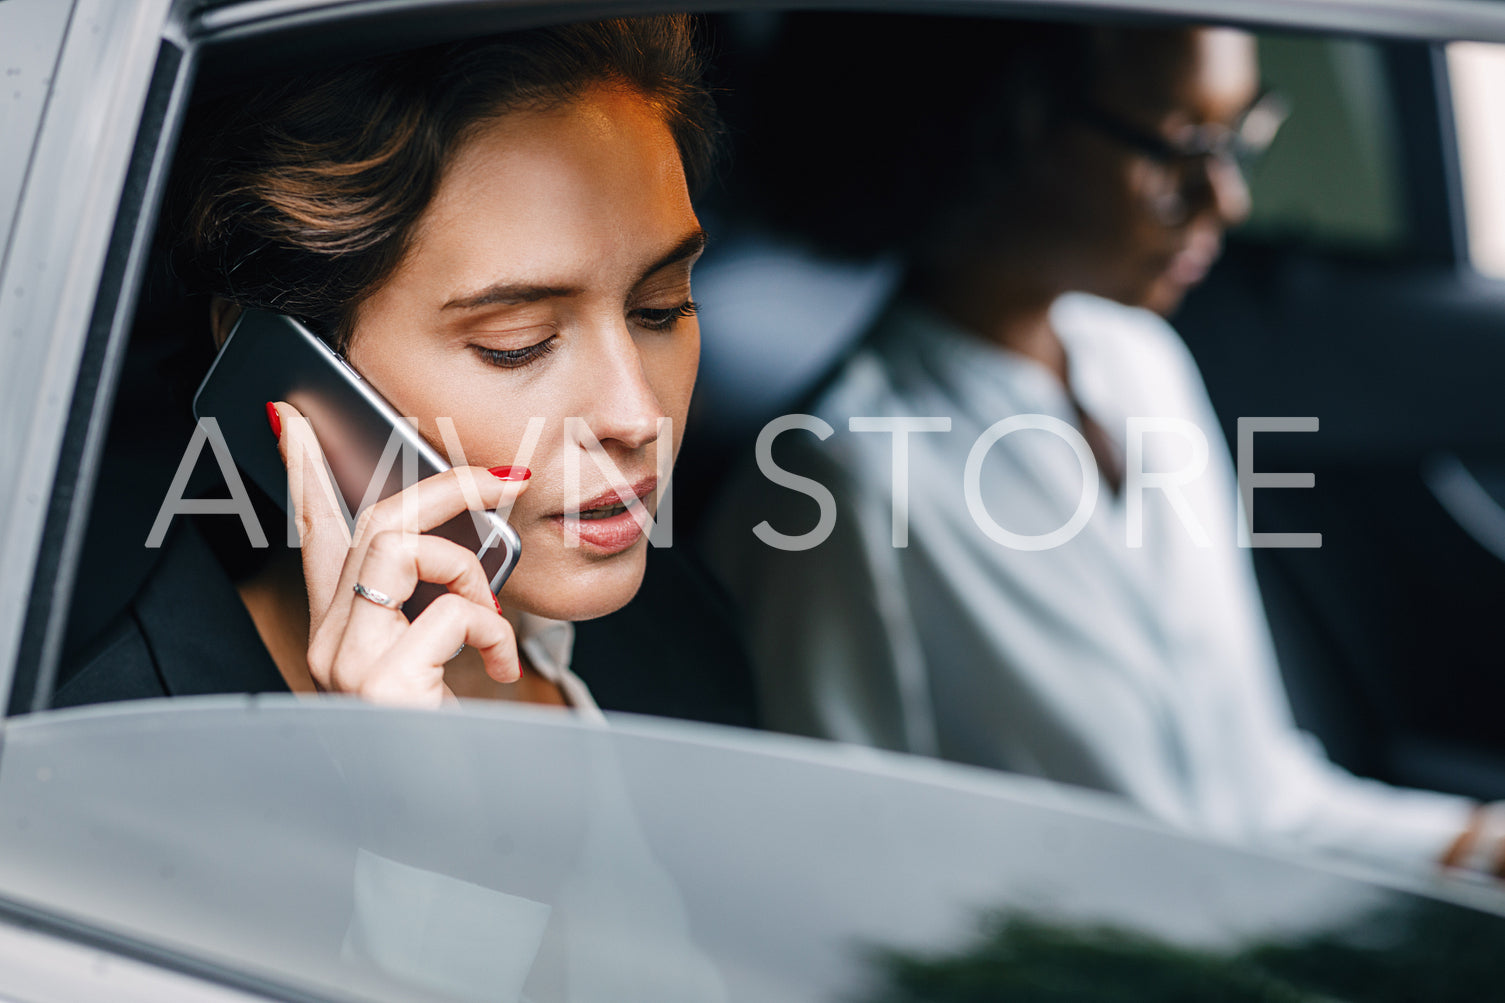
x=272, y=357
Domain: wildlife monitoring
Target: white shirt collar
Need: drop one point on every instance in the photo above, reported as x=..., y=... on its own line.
x=549, y=646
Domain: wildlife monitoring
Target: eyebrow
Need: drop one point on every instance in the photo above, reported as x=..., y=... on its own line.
x=508, y=294
x=689, y=245
x=512, y=293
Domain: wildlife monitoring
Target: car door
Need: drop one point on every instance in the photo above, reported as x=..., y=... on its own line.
x=766, y=837
x=101, y=80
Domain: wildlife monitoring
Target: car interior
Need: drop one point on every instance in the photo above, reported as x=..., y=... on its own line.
x=1351, y=295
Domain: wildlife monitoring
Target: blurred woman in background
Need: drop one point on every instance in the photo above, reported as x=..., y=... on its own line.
x=1051, y=191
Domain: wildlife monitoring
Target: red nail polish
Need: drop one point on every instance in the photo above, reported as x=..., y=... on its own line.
x=274, y=420
x=511, y=473
x=498, y=603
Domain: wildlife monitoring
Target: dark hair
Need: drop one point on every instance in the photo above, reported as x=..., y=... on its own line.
x=887, y=132
x=303, y=197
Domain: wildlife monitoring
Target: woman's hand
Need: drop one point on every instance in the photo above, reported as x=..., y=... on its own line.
x=359, y=647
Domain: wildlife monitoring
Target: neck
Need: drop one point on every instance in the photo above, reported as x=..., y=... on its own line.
x=999, y=302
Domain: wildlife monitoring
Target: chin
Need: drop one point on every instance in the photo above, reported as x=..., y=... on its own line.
x=1162, y=296
x=569, y=584
x=1165, y=303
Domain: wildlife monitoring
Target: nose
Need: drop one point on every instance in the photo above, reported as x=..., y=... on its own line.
x=622, y=409
x=1219, y=188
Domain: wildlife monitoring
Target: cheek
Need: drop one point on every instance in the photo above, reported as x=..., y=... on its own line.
x=483, y=419
x=1123, y=204
x=1153, y=194
x=524, y=430
x=1130, y=245
x=670, y=366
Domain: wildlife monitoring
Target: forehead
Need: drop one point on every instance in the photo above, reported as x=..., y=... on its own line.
x=1206, y=74
x=583, y=183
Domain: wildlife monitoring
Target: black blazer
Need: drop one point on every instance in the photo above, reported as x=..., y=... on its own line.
x=186, y=632
x=673, y=651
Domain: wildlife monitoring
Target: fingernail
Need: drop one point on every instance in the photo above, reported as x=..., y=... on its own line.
x=498, y=603
x=511, y=473
x=274, y=420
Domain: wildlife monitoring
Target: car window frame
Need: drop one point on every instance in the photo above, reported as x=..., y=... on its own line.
x=73, y=290
x=32, y=33
x=77, y=377
x=1431, y=176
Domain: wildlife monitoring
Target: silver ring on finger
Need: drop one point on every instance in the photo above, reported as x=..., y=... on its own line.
x=380, y=598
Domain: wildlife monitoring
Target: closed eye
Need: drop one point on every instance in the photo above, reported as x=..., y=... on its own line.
x=516, y=358
x=665, y=319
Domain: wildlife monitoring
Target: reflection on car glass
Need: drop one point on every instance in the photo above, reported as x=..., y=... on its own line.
x=1396, y=954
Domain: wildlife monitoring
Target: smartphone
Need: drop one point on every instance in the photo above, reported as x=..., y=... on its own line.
x=272, y=357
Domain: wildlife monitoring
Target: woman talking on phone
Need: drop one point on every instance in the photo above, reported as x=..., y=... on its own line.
x=496, y=233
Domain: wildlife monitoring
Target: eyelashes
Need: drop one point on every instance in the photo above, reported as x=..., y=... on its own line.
x=663, y=320
x=516, y=358
x=647, y=319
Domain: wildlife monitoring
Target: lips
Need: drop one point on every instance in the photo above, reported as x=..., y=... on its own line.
x=608, y=523
x=609, y=498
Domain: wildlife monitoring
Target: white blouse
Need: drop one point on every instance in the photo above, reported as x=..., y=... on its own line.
x=1143, y=670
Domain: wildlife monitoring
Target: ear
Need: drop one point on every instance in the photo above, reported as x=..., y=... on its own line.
x=222, y=317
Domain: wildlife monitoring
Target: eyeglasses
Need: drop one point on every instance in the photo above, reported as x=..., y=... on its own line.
x=1241, y=144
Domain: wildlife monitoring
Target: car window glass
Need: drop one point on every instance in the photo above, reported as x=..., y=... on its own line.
x=1331, y=179
x=494, y=853
x=31, y=32
x=1476, y=75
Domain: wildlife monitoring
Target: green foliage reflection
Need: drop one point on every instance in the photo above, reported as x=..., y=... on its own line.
x=1428, y=953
